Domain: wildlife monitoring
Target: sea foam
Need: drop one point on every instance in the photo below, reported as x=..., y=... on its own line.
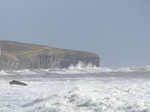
x=79, y=88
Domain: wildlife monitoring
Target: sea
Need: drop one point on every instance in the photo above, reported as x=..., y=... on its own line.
x=80, y=88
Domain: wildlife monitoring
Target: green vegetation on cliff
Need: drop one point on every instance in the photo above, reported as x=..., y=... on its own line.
x=16, y=55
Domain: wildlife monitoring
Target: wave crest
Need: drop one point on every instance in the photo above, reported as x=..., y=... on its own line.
x=81, y=65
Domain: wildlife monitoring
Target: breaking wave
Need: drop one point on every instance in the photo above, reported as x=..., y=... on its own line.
x=80, y=68
x=93, y=96
x=64, y=90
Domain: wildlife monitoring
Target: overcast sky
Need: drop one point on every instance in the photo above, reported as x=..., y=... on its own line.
x=118, y=31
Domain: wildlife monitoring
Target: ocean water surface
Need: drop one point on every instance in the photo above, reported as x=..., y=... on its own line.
x=76, y=89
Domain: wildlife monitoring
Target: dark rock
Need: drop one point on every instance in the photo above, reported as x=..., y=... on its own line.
x=15, y=82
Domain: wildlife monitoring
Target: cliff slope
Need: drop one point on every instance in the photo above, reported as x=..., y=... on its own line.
x=16, y=55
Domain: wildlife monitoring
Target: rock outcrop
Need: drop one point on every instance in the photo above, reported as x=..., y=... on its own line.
x=15, y=82
x=16, y=55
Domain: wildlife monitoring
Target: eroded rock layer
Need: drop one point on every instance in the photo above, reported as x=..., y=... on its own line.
x=16, y=55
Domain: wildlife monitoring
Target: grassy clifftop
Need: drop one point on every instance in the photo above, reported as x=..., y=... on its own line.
x=22, y=55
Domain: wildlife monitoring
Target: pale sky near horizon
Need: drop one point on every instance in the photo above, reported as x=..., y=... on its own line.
x=118, y=31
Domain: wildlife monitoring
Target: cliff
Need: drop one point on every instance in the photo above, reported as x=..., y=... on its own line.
x=16, y=55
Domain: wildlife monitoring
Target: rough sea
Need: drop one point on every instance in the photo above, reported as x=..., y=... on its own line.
x=76, y=89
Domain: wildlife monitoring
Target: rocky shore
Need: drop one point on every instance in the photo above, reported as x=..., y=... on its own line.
x=16, y=55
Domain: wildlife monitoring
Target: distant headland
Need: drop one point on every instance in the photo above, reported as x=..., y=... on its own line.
x=16, y=55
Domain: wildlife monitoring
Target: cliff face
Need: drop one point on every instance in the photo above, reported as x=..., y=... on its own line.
x=15, y=55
